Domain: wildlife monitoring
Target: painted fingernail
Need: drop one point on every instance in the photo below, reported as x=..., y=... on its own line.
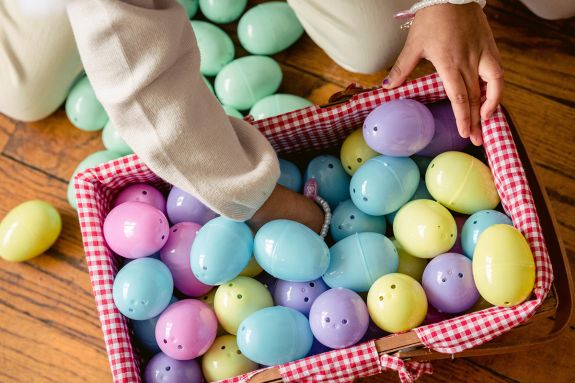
x=386, y=81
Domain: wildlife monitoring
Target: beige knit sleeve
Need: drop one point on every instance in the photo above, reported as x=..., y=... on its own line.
x=143, y=62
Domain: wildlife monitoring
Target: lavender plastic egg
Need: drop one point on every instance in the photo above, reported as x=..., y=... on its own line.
x=446, y=137
x=163, y=369
x=347, y=219
x=142, y=193
x=448, y=283
x=290, y=176
x=399, y=128
x=176, y=255
x=184, y=207
x=384, y=184
x=298, y=295
x=476, y=224
x=332, y=180
x=135, y=229
x=338, y=318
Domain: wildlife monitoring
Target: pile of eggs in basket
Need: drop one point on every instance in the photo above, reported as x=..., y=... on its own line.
x=243, y=301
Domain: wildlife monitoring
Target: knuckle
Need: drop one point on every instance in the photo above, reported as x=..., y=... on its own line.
x=396, y=70
x=460, y=98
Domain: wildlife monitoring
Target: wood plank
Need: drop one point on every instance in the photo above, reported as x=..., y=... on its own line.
x=7, y=127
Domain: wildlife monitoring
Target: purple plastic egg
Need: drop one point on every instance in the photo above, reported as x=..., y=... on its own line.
x=163, y=369
x=184, y=207
x=298, y=295
x=142, y=193
x=135, y=229
x=399, y=128
x=448, y=283
x=338, y=318
x=446, y=137
x=459, y=221
x=176, y=255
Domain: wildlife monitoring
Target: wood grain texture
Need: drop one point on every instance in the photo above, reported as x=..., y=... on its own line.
x=49, y=330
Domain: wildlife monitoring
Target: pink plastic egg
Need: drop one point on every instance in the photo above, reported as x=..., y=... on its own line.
x=142, y=193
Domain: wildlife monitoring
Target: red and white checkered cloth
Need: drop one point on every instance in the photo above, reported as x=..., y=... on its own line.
x=316, y=128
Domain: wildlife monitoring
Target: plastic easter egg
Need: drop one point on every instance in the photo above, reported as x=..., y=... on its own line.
x=225, y=360
x=422, y=164
x=420, y=193
x=209, y=300
x=275, y=335
x=163, y=369
x=186, y=329
x=238, y=299
x=113, y=141
x=461, y=182
x=184, y=207
x=347, y=219
x=399, y=128
x=135, y=229
x=232, y=112
x=396, y=303
x=141, y=192
x=459, y=222
x=291, y=251
x=176, y=255
x=222, y=11
x=339, y=318
x=191, y=7
x=92, y=160
x=269, y=28
x=446, y=137
x=143, y=288
x=332, y=180
x=424, y=228
x=448, y=283
x=83, y=108
x=409, y=264
x=355, y=152
x=246, y=80
x=290, y=176
x=277, y=104
x=384, y=184
x=252, y=269
x=28, y=230
x=221, y=250
x=298, y=295
x=145, y=331
x=476, y=224
x=503, y=266
x=215, y=46
x=359, y=260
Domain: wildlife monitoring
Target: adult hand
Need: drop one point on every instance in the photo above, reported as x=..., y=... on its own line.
x=458, y=41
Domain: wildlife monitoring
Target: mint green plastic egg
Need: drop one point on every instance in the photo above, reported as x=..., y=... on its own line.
x=83, y=108
x=233, y=112
x=191, y=7
x=216, y=47
x=112, y=140
x=269, y=28
x=246, y=80
x=277, y=104
x=222, y=11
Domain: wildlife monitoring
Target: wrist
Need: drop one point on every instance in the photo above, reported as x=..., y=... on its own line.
x=410, y=13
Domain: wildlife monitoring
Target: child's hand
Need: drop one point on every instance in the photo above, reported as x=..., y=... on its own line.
x=458, y=41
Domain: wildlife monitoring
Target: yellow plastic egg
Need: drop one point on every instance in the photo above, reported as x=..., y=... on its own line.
x=252, y=269
x=396, y=303
x=461, y=182
x=424, y=228
x=237, y=299
x=225, y=360
x=503, y=266
x=409, y=264
x=209, y=300
x=29, y=230
x=355, y=152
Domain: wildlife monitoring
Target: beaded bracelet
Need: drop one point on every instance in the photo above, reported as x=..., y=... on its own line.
x=410, y=13
x=310, y=190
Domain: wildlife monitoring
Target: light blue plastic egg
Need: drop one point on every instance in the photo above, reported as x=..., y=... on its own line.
x=347, y=219
x=232, y=112
x=246, y=80
x=290, y=176
x=384, y=184
x=277, y=104
x=476, y=224
x=222, y=11
x=191, y=7
x=143, y=288
x=420, y=193
x=145, y=330
x=359, y=260
x=275, y=335
x=291, y=251
x=332, y=179
x=269, y=28
x=83, y=108
x=215, y=46
x=221, y=250
x=113, y=141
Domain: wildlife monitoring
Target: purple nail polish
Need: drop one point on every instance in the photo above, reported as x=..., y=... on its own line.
x=386, y=81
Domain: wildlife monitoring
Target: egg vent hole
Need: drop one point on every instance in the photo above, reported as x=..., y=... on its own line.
x=168, y=368
x=475, y=222
x=327, y=320
x=144, y=192
x=223, y=347
x=330, y=166
x=165, y=341
x=432, y=165
x=380, y=298
x=180, y=347
x=460, y=275
x=243, y=328
x=352, y=216
x=131, y=310
x=306, y=299
x=375, y=128
x=359, y=160
x=238, y=352
x=230, y=284
x=161, y=221
x=393, y=286
x=451, y=235
x=175, y=230
x=506, y=303
x=353, y=190
x=340, y=227
x=163, y=236
x=311, y=284
x=349, y=167
x=204, y=268
x=239, y=296
x=365, y=199
x=205, y=297
x=443, y=280
x=344, y=321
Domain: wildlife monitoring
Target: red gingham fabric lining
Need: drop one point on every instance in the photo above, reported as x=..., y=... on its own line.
x=315, y=128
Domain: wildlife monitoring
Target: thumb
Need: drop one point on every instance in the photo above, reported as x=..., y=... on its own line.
x=404, y=65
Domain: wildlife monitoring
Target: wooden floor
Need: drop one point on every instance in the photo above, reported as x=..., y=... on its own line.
x=49, y=331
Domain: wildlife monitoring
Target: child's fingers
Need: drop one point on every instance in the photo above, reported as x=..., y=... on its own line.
x=404, y=65
x=471, y=79
x=490, y=71
x=457, y=93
